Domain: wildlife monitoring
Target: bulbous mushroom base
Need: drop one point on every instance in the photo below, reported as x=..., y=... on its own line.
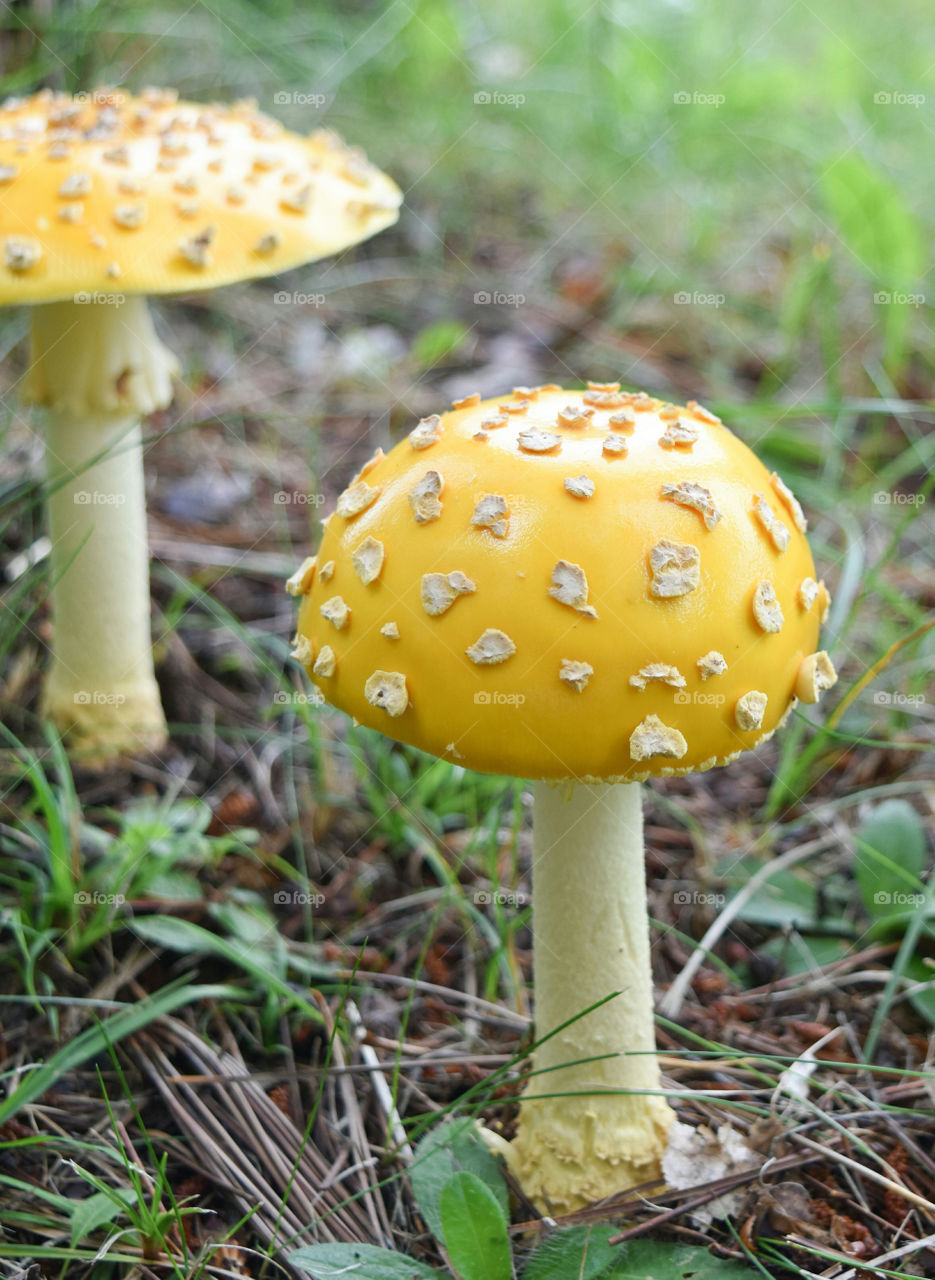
x=590, y=1149
x=104, y=727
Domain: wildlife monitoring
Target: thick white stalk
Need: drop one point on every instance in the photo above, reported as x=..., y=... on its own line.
x=100, y=686
x=591, y=939
x=96, y=367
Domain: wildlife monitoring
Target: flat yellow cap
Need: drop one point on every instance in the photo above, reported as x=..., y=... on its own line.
x=107, y=191
x=566, y=584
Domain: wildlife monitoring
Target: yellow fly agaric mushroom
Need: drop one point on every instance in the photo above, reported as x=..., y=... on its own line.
x=587, y=589
x=105, y=198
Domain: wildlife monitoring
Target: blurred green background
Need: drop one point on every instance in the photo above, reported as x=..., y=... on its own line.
x=767, y=162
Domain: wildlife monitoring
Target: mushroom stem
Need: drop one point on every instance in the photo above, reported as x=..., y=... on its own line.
x=607, y=1131
x=96, y=367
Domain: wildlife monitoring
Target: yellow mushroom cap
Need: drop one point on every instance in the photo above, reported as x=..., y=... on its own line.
x=586, y=584
x=151, y=195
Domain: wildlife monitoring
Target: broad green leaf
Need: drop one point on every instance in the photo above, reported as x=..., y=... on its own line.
x=655, y=1260
x=874, y=222
x=435, y=42
x=475, y=1229
x=890, y=858
x=173, y=885
x=450, y=1147
x=438, y=341
x=175, y=934
x=787, y=898
x=359, y=1262
x=884, y=236
x=98, y=1209
x=806, y=953
x=576, y=1253
x=252, y=926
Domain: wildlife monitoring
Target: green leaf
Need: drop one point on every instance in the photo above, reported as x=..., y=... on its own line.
x=890, y=858
x=582, y=1253
x=884, y=237
x=359, y=1262
x=175, y=934
x=98, y=1209
x=475, y=1229
x=786, y=898
x=174, y=885
x=251, y=926
x=576, y=1253
x=437, y=342
x=654, y=1260
x=450, y=1147
x=806, y=953
x=874, y=222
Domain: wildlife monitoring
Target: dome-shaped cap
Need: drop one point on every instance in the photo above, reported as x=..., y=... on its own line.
x=111, y=192
x=566, y=584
